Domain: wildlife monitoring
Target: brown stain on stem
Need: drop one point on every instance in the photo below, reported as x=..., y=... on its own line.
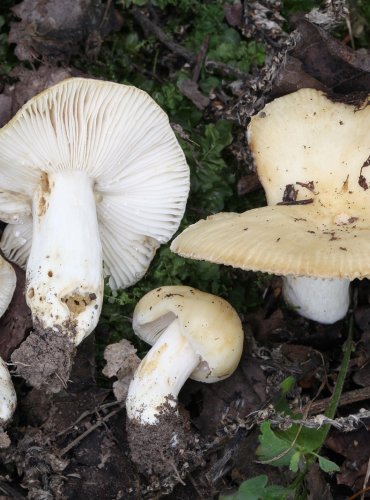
x=44, y=194
x=77, y=302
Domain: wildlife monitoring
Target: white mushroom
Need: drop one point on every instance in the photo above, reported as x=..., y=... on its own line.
x=194, y=334
x=312, y=157
x=8, y=281
x=8, y=397
x=99, y=168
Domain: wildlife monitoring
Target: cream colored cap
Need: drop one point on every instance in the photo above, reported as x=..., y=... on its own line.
x=320, y=150
x=319, y=146
x=280, y=240
x=209, y=323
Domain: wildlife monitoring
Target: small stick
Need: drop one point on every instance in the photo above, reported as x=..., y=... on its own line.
x=200, y=59
x=355, y=396
x=82, y=436
x=366, y=480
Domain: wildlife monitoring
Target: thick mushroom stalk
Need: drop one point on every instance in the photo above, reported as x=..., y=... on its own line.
x=64, y=271
x=99, y=167
x=195, y=335
x=323, y=300
x=161, y=375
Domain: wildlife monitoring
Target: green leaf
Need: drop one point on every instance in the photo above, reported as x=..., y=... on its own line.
x=273, y=449
x=256, y=489
x=294, y=461
x=252, y=488
x=327, y=465
x=286, y=386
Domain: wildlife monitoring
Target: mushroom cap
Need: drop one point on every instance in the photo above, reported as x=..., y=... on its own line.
x=123, y=140
x=209, y=323
x=319, y=146
x=16, y=241
x=8, y=281
x=279, y=240
x=320, y=151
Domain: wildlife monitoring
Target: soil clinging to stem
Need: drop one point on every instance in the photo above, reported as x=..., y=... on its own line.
x=45, y=359
x=168, y=449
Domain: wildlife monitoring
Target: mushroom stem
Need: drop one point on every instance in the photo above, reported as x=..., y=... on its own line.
x=160, y=376
x=319, y=299
x=8, y=397
x=64, y=271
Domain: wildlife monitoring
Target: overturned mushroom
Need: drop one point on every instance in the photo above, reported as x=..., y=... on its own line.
x=194, y=334
x=100, y=170
x=312, y=157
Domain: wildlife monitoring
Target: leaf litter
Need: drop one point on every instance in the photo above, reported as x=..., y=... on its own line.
x=60, y=441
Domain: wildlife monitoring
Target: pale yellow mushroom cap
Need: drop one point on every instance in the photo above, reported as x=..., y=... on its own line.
x=321, y=148
x=209, y=323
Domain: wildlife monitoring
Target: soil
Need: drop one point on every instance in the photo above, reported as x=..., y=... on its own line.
x=44, y=359
x=167, y=449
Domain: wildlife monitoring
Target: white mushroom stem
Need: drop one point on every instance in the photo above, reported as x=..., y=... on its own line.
x=8, y=397
x=64, y=271
x=160, y=375
x=322, y=300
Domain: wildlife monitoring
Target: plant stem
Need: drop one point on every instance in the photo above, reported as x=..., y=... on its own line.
x=332, y=408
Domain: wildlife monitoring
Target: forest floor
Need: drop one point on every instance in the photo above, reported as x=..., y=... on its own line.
x=211, y=66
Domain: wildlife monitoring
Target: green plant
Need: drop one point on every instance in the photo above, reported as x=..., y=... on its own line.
x=256, y=488
x=297, y=447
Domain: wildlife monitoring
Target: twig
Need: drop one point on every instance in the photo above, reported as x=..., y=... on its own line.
x=200, y=59
x=86, y=414
x=149, y=26
x=366, y=480
x=344, y=424
x=361, y=492
x=226, y=70
x=355, y=396
x=82, y=436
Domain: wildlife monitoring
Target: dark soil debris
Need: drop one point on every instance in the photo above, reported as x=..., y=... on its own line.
x=167, y=450
x=44, y=360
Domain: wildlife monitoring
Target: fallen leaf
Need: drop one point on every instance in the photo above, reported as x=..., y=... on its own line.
x=56, y=30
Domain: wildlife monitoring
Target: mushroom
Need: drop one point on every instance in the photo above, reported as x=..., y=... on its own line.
x=8, y=402
x=194, y=334
x=8, y=397
x=99, y=168
x=8, y=281
x=312, y=156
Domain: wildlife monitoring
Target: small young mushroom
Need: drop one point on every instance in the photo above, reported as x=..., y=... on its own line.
x=194, y=334
x=100, y=170
x=312, y=157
